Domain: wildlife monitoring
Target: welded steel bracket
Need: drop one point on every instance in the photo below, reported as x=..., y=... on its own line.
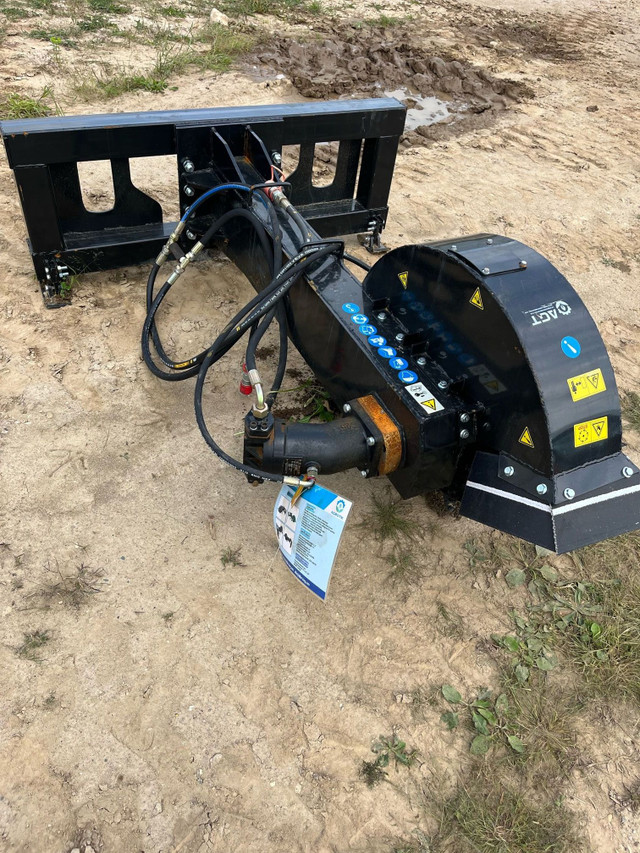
x=66, y=239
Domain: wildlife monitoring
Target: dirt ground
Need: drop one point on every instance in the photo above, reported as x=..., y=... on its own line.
x=190, y=706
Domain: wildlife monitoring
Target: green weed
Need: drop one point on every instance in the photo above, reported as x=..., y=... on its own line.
x=32, y=642
x=72, y=590
x=388, y=750
x=109, y=7
x=23, y=106
x=232, y=557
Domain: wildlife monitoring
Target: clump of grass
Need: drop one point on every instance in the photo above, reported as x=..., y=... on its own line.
x=173, y=12
x=32, y=641
x=16, y=106
x=59, y=38
x=110, y=83
x=388, y=750
x=486, y=814
x=388, y=519
x=109, y=7
x=72, y=590
x=232, y=557
x=448, y=623
x=278, y=8
x=630, y=403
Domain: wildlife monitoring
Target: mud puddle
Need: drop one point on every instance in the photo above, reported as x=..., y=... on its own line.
x=355, y=63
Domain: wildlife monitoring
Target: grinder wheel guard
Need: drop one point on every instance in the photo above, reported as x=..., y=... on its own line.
x=468, y=365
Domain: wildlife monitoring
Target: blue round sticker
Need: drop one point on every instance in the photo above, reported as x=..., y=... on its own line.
x=387, y=352
x=368, y=330
x=377, y=341
x=398, y=363
x=360, y=319
x=408, y=377
x=350, y=307
x=570, y=347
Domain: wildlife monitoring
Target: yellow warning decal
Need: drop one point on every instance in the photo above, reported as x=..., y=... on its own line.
x=431, y=404
x=476, y=299
x=591, y=431
x=403, y=276
x=586, y=385
x=525, y=438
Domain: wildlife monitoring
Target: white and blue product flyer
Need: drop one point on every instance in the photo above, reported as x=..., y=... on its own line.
x=309, y=533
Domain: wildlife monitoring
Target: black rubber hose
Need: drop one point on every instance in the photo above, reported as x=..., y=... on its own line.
x=282, y=357
x=356, y=261
x=281, y=285
x=189, y=367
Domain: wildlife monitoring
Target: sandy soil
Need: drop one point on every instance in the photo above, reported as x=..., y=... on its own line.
x=239, y=722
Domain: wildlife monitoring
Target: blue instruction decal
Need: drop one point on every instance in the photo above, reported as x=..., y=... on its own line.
x=408, y=377
x=387, y=352
x=398, y=363
x=570, y=347
x=377, y=341
x=350, y=307
x=360, y=319
x=368, y=330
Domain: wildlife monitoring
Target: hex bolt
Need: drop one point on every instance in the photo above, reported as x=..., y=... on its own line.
x=276, y=158
x=464, y=418
x=188, y=166
x=381, y=316
x=189, y=191
x=190, y=235
x=541, y=489
x=490, y=242
x=371, y=441
x=443, y=385
x=523, y=265
x=454, y=248
x=464, y=433
x=346, y=408
x=569, y=494
x=399, y=337
x=486, y=271
x=509, y=471
x=421, y=361
x=627, y=472
x=363, y=473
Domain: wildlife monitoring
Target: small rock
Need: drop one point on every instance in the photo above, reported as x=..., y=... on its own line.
x=475, y=585
x=158, y=808
x=592, y=109
x=218, y=17
x=76, y=850
x=89, y=849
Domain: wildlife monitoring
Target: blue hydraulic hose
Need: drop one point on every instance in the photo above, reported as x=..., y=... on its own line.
x=210, y=192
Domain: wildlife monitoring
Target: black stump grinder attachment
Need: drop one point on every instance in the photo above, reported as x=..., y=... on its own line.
x=468, y=365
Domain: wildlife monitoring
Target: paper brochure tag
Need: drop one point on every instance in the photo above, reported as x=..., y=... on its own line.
x=309, y=533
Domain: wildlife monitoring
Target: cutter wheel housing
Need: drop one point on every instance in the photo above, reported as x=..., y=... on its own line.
x=468, y=365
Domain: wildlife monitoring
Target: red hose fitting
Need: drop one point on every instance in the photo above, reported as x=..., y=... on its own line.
x=245, y=383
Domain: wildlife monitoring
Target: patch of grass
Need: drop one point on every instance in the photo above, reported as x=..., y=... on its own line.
x=487, y=814
x=24, y=106
x=404, y=567
x=109, y=83
x=448, y=623
x=93, y=24
x=278, y=8
x=32, y=642
x=109, y=7
x=388, y=750
x=59, y=38
x=173, y=12
x=13, y=13
x=71, y=590
x=388, y=519
x=630, y=404
x=232, y=557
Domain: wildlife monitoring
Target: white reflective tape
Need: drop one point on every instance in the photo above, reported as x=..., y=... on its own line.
x=555, y=510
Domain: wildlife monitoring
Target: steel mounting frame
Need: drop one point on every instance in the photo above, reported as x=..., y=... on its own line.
x=65, y=238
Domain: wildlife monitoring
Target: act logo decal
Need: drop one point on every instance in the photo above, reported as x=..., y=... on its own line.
x=549, y=312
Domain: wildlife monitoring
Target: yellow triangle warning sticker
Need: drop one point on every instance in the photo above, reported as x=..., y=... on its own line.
x=403, y=276
x=598, y=426
x=476, y=299
x=493, y=385
x=594, y=378
x=430, y=403
x=525, y=438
